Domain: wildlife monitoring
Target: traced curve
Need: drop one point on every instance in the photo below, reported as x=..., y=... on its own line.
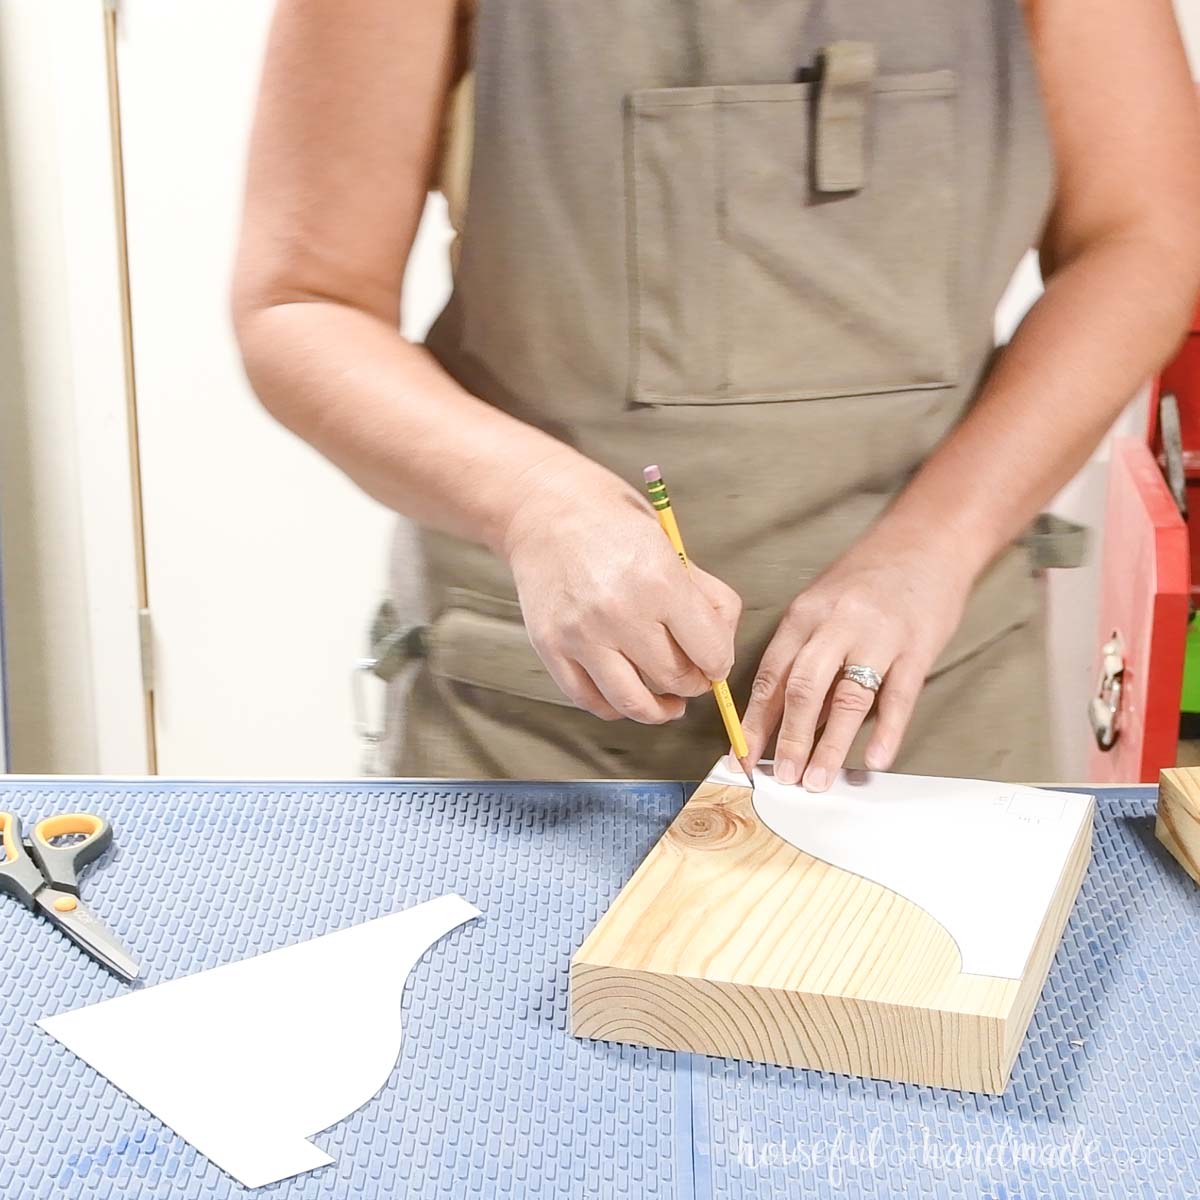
x=982, y=859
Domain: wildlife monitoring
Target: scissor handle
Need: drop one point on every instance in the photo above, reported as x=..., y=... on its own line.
x=19, y=875
x=60, y=864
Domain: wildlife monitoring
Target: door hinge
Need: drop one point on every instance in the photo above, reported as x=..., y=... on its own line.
x=146, y=644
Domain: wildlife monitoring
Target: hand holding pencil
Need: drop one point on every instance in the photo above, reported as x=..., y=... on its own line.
x=729, y=715
x=620, y=631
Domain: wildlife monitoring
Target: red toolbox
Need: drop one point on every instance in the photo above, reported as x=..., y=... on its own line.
x=1143, y=622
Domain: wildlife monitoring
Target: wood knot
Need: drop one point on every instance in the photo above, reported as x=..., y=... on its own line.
x=708, y=827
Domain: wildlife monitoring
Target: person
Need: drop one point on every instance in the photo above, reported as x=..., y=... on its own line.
x=762, y=247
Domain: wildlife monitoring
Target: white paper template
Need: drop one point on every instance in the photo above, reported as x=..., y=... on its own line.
x=246, y=1061
x=983, y=859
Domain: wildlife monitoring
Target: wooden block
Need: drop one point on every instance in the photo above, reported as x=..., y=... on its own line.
x=731, y=941
x=1177, y=824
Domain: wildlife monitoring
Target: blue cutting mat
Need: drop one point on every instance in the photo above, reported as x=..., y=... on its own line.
x=492, y=1097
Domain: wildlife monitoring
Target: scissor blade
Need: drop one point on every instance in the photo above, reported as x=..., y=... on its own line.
x=82, y=925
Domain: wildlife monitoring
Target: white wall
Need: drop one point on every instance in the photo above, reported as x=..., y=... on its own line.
x=1188, y=13
x=50, y=684
x=247, y=653
x=265, y=564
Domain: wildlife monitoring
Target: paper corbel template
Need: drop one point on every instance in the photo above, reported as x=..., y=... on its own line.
x=241, y=1060
x=983, y=859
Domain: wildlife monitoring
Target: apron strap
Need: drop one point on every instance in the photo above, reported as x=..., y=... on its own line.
x=847, y=78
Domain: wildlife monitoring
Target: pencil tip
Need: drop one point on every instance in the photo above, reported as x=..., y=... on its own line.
x=745, y=763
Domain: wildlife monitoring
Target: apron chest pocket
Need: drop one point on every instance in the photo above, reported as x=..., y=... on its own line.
x=750, y=283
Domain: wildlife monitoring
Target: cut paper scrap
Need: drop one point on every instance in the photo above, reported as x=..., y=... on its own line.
x=983, y=859
x=241, y=1060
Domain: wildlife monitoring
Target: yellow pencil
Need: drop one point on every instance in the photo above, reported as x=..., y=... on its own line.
x=729, y=714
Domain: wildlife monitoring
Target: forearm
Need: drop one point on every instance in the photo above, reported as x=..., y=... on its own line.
x=384, y=411
x=344, y=151
x=1106, y=322
x=619, y=625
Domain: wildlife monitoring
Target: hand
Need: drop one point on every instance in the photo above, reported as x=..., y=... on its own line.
x=892, y=610
x=623, y=628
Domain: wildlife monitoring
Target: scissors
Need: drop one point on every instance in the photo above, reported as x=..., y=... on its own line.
x=44, y=878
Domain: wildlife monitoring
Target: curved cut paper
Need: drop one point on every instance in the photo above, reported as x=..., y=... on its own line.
x=240, y=1061
x=982, y=859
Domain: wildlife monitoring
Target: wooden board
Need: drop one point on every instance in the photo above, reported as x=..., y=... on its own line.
x=1177, y=824
x=730, y=941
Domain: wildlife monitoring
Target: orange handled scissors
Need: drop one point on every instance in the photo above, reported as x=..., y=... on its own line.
x=44, y=877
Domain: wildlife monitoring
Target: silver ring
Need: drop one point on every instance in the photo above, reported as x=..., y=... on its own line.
x=866, y=677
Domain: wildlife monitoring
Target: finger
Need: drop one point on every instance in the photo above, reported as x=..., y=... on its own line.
x=804, y=694
x=766, y=704
x=849, y=704
x=702, y=634
x=575, y=683
x=766, y=693
x=622, y=687
x=661, y=662
x=897, y=699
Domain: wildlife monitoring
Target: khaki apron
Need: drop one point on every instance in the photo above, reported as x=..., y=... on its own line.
x=761, y=245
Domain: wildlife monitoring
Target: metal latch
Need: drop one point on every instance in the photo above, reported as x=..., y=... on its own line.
x=1104, y=712
x=393, y=646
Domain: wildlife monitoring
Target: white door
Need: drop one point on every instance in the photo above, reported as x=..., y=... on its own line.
x=263, y=562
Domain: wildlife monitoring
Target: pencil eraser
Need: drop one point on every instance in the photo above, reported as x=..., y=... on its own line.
x=650, y=474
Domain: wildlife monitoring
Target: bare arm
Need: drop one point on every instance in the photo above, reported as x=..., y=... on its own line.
x=1122, y=254
x=341, y=159
x=1121, y=257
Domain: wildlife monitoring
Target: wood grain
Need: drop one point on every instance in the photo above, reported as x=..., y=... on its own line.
x=730, y=941
x=1177, y=824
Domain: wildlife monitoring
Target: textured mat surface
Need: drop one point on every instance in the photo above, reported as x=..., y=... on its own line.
x=491, y=1096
